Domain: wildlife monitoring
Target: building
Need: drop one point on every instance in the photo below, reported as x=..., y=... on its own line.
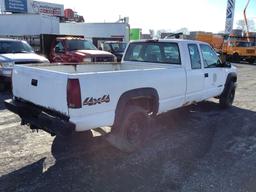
x=28, y=24
x=98, y=32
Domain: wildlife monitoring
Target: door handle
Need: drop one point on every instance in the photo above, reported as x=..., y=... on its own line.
x=206, y=75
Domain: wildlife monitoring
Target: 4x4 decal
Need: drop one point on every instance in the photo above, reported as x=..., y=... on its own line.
x=93, y=101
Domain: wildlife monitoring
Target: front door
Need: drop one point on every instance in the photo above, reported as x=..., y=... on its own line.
x=214, y=74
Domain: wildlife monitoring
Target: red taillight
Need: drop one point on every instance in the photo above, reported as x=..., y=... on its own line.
x=74, y=93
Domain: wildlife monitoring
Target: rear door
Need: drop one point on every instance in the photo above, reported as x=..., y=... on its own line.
x=214, y=75
x=195, y=75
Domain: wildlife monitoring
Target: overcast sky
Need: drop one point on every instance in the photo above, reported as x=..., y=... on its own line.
x=206, y=15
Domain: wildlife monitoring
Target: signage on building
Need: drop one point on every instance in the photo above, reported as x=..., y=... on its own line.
x=16, y=6
x=50, y=9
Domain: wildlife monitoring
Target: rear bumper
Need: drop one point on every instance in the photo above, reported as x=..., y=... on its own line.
x=38, y=118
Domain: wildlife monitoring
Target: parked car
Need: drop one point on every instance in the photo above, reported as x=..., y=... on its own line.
x=155, y=76
x=115, y=47
x=77, y=50
x=60, y=48
x=15, y=52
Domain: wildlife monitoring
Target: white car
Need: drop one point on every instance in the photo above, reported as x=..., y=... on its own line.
x=15, y=52
x=155, y=76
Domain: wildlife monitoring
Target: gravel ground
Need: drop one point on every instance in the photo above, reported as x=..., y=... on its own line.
x=200, y=148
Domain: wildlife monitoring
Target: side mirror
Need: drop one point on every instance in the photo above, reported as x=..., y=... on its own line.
x=100, y=48
x=224, y=64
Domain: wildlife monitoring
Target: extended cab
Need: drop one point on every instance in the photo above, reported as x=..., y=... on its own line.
x=155, y=76
x=15, y=52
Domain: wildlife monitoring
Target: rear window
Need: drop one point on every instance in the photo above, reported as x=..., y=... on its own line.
x=153, y=52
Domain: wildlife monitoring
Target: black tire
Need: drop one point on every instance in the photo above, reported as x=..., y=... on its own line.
x=236, y=58
x=2, y=86
x=228, y=96
x=251, y=61
x=132, y=130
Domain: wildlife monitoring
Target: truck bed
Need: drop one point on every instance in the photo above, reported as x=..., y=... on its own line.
x=46, y=85
x=99, y=67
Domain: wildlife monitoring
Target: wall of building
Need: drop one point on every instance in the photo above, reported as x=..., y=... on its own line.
x=99, y=30
x=28, y=24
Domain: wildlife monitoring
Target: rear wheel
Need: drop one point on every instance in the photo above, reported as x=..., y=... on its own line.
x=132, y=130
x=2, y=86
x=236, y=58
x=251, y=60
x=227, y=98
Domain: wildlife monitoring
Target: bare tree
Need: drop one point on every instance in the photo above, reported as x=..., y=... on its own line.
x=152, y=33
x=241, y=25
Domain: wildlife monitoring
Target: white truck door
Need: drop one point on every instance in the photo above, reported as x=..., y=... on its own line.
x=195, y=75
x=213, y=74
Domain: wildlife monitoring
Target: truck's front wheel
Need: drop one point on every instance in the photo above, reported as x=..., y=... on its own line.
x=251, y=60
x=2, y=86
x=132, y=129
x=227, y=98
x=236, y=58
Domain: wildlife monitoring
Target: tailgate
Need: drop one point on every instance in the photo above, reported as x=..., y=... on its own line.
x=41, y=87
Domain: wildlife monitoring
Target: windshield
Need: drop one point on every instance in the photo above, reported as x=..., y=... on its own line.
x=77, y=44
x=15, y=47
x=118, y=47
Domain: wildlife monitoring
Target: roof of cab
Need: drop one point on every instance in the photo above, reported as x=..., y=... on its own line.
x=8, y=39
x=169, y=40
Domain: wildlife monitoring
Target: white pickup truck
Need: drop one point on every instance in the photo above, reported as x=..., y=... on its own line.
x=155, y=76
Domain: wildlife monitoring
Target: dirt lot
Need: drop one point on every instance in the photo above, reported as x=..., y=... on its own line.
x=196, y=149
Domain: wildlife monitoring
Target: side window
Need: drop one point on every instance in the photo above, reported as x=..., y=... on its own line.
x=194, y=56
x=210, y=57
x=59, y=48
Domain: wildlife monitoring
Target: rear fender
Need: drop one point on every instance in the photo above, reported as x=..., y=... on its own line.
x=147, y=93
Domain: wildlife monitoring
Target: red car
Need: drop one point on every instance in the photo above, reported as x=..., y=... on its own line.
x=77, y=50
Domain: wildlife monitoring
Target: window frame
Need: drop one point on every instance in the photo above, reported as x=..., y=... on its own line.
x=206, y=66
x=200, y=57
x=143, y=48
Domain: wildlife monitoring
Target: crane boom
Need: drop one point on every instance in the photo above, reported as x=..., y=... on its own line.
x=245, y=20
x=230, y=16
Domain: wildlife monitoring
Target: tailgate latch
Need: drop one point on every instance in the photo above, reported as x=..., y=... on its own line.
x=34, y=82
